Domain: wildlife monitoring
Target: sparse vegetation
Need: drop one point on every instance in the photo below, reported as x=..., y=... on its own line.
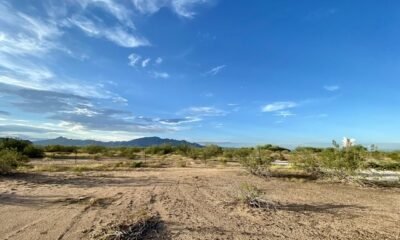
x=136, y=227
x=253, y=197
x=308, y=163
x=10, y=160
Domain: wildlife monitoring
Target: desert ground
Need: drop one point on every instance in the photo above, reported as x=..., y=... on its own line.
x=192, y=203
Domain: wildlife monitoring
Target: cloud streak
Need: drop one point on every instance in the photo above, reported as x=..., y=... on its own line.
x=331, y=88
x=278, y=106
x=214, y=71
x=117, y=34
x=183, y=8
x=163, y=75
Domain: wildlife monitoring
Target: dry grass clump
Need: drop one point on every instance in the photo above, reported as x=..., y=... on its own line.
x=140, y=226
x=253, y=197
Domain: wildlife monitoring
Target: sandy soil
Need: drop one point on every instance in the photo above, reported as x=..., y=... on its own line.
x=193, y=203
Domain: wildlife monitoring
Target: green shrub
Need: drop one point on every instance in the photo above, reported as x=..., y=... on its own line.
x=273, y=148
x=307, y=160
x=60, y=148
x=210, y=151
x=242, y=153
x=131, y=153
x=160, y=149
x=337, y=161
x=309, y=149
x=10, y=160
x=183, y=149
x=228, y=154
x=33, y=152
x=93, y=149
x=12, y=143
x=136, y=164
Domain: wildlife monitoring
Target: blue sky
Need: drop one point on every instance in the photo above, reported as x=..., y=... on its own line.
x=285, y=72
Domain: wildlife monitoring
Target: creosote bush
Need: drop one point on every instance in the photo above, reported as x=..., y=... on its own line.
x=23, y=147
x=258, y=161
x=336, y=161
x=10, y=160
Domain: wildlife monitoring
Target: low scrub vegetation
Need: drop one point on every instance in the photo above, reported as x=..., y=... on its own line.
x=10, y=160
x=343, y=161
x=253, y=197
x=307, y=162
x=142, y=225
x=16, y=152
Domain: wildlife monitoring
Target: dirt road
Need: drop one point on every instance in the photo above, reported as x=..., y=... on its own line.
x=193, y=203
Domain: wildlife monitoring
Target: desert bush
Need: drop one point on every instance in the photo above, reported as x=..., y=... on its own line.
x=135, y=164
x=160, y=149
x=131, y=153
x=242, y=153
x=141, y=226
x=258, y=161
x=336, y=161
x=344, y=160
x=60, y=148
x=309, y=149
x=248, y=192
x=94, y=149
x=211, y=151
x=307, y=160
x=229, y=154
x=273, y=148
x=23, y=147
x=97, y=157
x=395, y=156
x=253, y=197
x=13, y=143
x=32, y=151
x=382, y=165
x=183, y=149
x=10, y=160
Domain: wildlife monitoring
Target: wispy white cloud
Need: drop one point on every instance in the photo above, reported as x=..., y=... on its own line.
x=117, y=34
x=214, y=71
x=23, y=35
x=331, y=88
x=125, y=39
x=278, y=106
x=145, y=62
x=159, y=60
x=205, y=111
x=180, y=121
x=43, y=30
x=183, y=8
x=284, y=114
x=134, y=59
x=156, y=74
x=120, y=12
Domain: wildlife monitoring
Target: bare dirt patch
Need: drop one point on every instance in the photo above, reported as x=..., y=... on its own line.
x=191, y=203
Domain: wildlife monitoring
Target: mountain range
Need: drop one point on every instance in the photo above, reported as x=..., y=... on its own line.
x=139, y=142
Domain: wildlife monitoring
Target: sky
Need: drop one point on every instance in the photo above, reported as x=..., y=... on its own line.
x=237, y=73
